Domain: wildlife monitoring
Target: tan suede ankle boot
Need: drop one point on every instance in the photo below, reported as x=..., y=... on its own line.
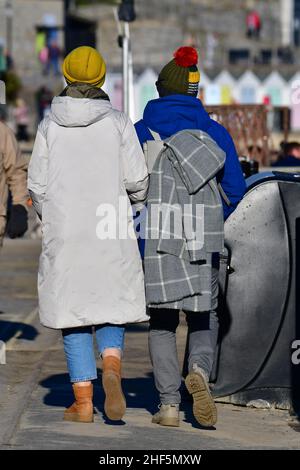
x=115, y=403
x=82, y=409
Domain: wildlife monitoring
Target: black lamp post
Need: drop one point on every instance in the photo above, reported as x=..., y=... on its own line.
x=9, y=13
x=126, y=11
x=67, y=5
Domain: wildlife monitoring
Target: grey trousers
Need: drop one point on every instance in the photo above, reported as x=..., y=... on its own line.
x=203, y=328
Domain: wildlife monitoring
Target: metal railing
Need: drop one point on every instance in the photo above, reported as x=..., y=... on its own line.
x=247, y=125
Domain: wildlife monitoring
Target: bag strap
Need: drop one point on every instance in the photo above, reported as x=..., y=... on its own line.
x=224, y=195
x=154, y=134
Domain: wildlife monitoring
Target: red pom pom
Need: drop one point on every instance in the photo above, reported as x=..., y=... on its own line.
x=186, y=56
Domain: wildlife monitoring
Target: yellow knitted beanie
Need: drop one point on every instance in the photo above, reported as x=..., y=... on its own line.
x=84, y=65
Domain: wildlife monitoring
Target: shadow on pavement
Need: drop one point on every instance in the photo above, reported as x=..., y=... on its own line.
x=139, y=393
x=187, y=408
x=137, y=327
x=9, y=329
x=295, y=425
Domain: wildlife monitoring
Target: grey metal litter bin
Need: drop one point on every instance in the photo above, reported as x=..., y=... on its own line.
x=259, y=305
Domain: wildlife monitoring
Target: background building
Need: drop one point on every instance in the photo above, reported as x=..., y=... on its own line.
x=237, y=66
x=30, y=19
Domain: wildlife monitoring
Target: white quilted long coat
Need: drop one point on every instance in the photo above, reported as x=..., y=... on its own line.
x=87, y=154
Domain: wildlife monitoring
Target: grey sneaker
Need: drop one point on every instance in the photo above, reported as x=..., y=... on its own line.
x=168, y=415
x=204, y=408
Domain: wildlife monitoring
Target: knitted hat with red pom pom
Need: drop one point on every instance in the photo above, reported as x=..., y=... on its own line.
x=181, y=75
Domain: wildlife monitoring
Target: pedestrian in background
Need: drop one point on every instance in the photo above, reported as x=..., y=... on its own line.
x=21, y=115
x=87, y=154
x=43, y=99
x=13, y=179
x=253, y=23
x=289, y=156
x=44, y=59
x=54, y=54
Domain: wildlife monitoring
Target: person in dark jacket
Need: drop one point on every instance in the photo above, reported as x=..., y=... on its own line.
x=290, y=155
x=177, y=109
x=13, y=175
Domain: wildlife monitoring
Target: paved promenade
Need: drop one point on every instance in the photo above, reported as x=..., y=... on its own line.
x=34, y=387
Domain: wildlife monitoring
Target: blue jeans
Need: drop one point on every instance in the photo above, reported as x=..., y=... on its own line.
x=79, y=348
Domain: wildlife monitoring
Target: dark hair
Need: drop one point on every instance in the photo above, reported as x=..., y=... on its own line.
x=288, y=147
x=162, y=91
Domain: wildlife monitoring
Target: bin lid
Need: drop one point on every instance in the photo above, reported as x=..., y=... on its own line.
x=259, y=178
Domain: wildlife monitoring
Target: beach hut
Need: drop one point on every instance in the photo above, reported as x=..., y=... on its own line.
x=277, y=89
x=144, y=91
x=249, y=89
x=227, y=85
x=294, y=89
x=204, y=83
x=213, y=94
x=113, y=86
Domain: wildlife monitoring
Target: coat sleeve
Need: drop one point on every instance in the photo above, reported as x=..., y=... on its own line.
x=231, y=176
x=143, y=132
x=38, y=172
x=15, y=167
x=135, y=172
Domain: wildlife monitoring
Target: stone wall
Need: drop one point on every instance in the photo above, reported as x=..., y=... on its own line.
x=27, y=15
x=162, y=26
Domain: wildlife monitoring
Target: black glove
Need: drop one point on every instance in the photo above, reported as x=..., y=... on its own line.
x=17, y=223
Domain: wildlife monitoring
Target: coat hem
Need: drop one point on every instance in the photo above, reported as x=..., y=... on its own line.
x=67, y=326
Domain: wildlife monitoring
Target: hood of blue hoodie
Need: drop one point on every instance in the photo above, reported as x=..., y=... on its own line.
x=171, y=114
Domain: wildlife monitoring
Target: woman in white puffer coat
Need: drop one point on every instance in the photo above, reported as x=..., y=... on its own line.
x=86, y=170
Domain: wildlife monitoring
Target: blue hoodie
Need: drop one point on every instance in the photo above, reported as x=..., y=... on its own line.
x=174, y=113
